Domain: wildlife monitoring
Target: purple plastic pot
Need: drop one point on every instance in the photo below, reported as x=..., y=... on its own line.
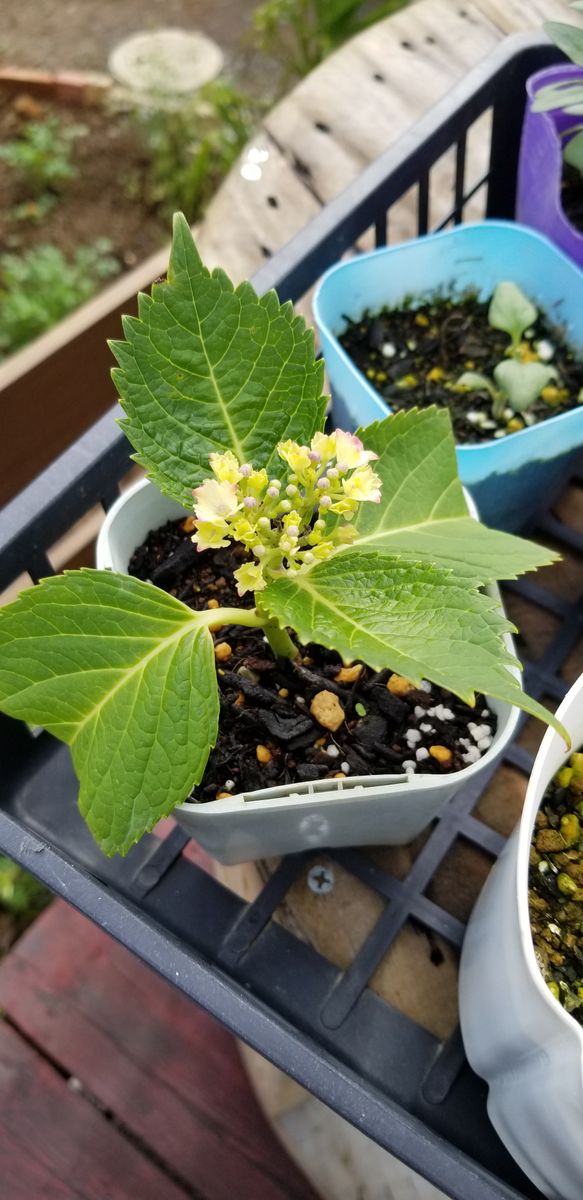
x=540, y=167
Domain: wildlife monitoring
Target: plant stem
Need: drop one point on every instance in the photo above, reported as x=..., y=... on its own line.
x=233, y=616
x=278, y=638
x=280, y=641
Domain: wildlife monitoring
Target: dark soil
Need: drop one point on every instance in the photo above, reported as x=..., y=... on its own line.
x=572, y=196
x=413, y=356
x=105, y=200
x=265, y=702
x=556, y=890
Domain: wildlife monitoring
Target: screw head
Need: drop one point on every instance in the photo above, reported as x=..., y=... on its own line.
x=320, y=879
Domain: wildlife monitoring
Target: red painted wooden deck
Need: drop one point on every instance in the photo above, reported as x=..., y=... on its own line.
x=114, y=1087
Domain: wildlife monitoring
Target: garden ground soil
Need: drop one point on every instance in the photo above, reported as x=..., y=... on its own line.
x=80, y=34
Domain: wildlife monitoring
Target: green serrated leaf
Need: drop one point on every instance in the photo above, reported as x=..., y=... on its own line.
x=423, y=515
x=569, y=39
x=413, y=618
x=208, y=367
x=125, y=675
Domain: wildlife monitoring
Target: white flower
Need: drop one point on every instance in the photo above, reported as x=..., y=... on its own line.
x=214, y=500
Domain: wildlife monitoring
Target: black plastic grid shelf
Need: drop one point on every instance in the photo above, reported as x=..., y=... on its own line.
x=410, y=1092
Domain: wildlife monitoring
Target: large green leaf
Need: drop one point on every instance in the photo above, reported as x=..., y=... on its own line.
x=416, y=619
x=423, y=515
x=569, y=39
x=208, y=367
x=125, y=674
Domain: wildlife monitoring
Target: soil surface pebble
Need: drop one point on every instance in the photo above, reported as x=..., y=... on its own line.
x=414, y=357
x=272, y=704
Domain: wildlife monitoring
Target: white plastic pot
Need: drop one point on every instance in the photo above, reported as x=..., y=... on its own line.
x=362, y=810
x=516, y=1035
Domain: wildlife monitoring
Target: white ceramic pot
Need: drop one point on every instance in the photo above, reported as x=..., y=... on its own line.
x=363, y=810
x=516, y=1035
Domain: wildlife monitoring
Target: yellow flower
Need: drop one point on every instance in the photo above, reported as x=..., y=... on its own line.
x=362, y=485
x=249, y=578
x=343, y=506
x=225, y=467
x=324, y=444
x=257, y=481
x=350, y=451
x=215, y=500
x=243, y=531
x=296, y=456
x=210, y=535
x=323, y=550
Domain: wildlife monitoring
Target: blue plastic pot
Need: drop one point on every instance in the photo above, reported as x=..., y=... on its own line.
x=513, y=478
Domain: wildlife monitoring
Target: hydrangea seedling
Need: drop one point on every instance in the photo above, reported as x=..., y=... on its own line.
x=362, y=544
x=516, y=384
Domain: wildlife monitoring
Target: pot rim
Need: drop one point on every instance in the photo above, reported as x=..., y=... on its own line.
x=491, y=444
x=540, y=78
x=308, y=792
x=538, y=782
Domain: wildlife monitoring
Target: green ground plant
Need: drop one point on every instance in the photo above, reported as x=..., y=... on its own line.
x=20, y=894
x=41, y=286
x=299, y=34
x=42, y=155
x=190, y=147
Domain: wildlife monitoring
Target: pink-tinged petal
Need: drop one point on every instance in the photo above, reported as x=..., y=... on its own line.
x=350, y=451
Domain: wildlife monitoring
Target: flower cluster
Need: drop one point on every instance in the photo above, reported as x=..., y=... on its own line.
x=291, y=524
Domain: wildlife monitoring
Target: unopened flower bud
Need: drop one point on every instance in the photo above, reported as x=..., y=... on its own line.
x=325, y=502
x=293, y=530
x=332, y=472
x=308, y=557
x=264, y=523
x=291, y=489
x=319, y=524
x=323, y=483
x=284, y=543
x=314, y=456
x=285, y=506
x=274, y=483
x=246, y=470
x=273, y=493
x=250, y=502
x=259, y=551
